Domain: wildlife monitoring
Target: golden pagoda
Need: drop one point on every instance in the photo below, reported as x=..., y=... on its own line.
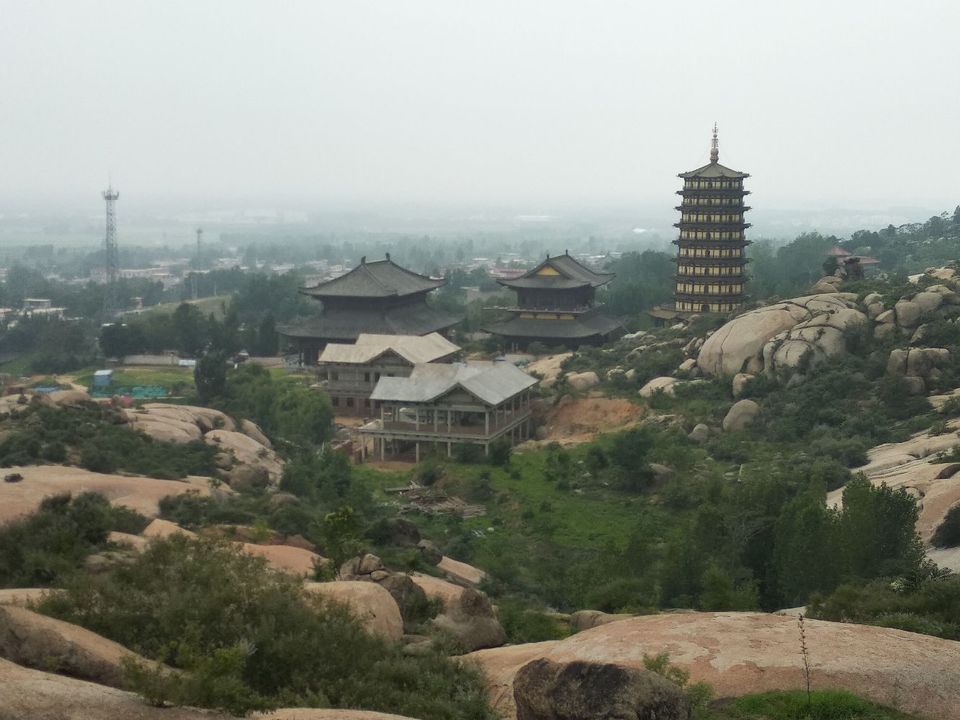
x=711, y=248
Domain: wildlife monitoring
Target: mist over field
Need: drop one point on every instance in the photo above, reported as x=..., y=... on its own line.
x=430, y=115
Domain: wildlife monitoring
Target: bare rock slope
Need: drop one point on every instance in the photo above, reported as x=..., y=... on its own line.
x=742, y=653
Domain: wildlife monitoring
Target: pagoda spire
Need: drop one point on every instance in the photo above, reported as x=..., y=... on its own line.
x=714, y=146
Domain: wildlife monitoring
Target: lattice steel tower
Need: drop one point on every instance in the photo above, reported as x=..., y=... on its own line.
x=111, y=256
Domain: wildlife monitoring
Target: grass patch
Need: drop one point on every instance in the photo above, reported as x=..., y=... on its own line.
x=795, y=705
x=170, y=378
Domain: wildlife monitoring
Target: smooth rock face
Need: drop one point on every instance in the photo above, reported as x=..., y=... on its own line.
x=23, y=597
x=471, y=622
x=739, y=383
x=287, y=558
x=41, y=642
x=374, y=607
x=738, y=346
x=436, y=589
x=743, y=653
x=583, y=380
x=660, y=384
x=907, y=313
x=700, y=433
x=586, y=619
x=742, y=414
x=27, y=694
x=546, y=690
x=142, y=494
x=461, y=572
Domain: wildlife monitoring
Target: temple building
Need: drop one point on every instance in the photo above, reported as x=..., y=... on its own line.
x=711, y=255
x=556, y=305
x=442, y=405
x=374, y=297
x=349, y=373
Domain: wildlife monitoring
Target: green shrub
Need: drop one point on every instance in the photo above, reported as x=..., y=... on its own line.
x=794, y=705
x=45, y=547
x=524, y=625
x=250, y=638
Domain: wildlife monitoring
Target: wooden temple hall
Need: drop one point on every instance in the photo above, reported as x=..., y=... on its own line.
x=556, y=305
x=442, y=405
x=374, y=297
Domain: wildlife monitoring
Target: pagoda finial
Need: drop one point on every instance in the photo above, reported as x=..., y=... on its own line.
x=714, y=146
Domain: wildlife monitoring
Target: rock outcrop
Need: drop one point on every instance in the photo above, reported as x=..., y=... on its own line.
x=142, y=494
x=743, y=653
x=471, y=622
x=547, y=690
x=585, y=619
x=665, y=385
x=461, y=572
x=23, y=597
x=287, y=558
x=26, y=693
x=374, y=607
x=741, y=415
x=37, y=641
x=582, y=380
x=246, y=460
x=918, y=366
x=912, y=466
x=800, y=330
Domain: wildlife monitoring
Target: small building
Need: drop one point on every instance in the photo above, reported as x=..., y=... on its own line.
x=349, y=373
x=556, y=305
x=442, y=405
x=102, y=378
x=374, y=297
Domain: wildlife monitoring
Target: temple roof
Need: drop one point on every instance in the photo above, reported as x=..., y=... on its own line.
x=559, y=273
x=714, y=170
x=369, y=346
x=379, y=279
x=490, y=382
x=347, y=325
x=582, y=326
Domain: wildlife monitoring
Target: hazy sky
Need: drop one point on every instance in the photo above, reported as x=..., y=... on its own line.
x=479, y=102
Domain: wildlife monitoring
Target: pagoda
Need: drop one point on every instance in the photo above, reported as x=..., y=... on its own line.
x=374, y=297
x=556, y=305
x=711, y=257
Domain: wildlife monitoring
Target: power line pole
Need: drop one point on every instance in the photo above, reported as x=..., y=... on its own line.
x=111, y=256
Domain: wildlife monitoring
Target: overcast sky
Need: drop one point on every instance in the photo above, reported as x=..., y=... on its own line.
x=479, y=102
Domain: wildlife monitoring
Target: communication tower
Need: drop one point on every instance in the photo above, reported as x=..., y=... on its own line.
x=111, y=255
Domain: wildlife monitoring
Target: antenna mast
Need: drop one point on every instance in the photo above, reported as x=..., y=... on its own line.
x=111, y=255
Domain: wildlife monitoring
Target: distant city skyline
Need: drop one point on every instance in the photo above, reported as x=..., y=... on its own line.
x=477, y=104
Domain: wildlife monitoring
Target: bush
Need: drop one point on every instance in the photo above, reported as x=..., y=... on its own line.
x=524, y=625
x=44, y=548
x=251, y=638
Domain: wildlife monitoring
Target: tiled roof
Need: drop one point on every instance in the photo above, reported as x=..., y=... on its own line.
x=582, y=326
x=379, y=279
x=491, y=382
x=413, y=348
x=347, y=325
x=571, y=274
x=714, y=170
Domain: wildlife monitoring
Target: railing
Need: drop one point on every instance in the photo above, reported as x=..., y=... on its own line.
x=427, y=429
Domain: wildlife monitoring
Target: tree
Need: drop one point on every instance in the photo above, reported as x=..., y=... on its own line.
x=267, y=340
x=188, y=329
x=210, y=376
